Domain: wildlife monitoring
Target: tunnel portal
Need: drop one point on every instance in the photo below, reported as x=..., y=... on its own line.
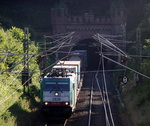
x=93, y=56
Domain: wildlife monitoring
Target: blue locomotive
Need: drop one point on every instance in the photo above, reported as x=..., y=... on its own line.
x=60, y=87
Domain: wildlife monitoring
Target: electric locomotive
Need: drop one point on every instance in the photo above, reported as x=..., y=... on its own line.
x=60, y=87
x=59, y=90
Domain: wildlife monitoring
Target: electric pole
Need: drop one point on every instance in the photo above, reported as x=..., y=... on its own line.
x=25, y=73
x=138, y=47
x=45, y=54
x=138, y=39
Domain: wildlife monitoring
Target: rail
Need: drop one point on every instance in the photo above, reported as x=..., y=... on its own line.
x=91, y=101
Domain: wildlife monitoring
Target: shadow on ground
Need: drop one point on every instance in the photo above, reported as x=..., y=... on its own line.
x=27, y=117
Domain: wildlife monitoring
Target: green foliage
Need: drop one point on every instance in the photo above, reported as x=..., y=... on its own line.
x=11, y=66
x=146, y=47
x=145, y=65
x=143, y=124
x=6, y=115
x=138, y=99
x=17, y=33
x=140, y=102
x=9, y=39
x=145, y=23
x=142, y=94
x=137, y=102
x=23, y=112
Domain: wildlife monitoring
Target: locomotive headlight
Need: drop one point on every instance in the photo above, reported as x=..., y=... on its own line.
x=56, y=93
x=66, y=103
x=46, y=103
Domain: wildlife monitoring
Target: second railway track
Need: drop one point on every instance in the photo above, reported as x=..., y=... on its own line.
x=96, y=111
x=90, y=109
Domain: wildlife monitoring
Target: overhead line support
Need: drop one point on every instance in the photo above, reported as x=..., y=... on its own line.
x=25, y=72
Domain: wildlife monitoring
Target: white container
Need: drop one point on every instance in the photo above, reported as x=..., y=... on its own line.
x=72, y=63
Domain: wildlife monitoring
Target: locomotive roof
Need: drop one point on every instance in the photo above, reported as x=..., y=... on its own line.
x=69, y=62
x=61, y=66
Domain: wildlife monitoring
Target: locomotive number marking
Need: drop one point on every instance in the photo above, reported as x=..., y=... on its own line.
x=56, y=99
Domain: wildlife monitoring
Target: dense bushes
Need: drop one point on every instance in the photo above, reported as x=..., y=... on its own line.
x=11, y=66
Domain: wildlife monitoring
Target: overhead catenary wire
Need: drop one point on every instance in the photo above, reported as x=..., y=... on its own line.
x=108, y=44
x=27, y=59
x=126, y=67
x=106, y=83
x=3, y=60
x=101, y=49
x=103, y=56
x=57, y=35
x=16, y=64
x=110, y=47
x=57, y=50
x=106, y=91
x=120, y=41
x=33, y=56
x=11, y=54
x=104, y=104
x=100, y=39
x=130, y=55
x=14, y=79
x=57, y=60
x=4, y=100
x=54, y=52
x=100, y=90
x=111, y=36
x=66, y=40
x=61, y=44
x=60, y=39
x=55, y=47
x=83, y=72
x=7, y=54
x=111, y=44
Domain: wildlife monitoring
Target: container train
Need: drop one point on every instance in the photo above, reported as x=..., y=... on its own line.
x=60, y=87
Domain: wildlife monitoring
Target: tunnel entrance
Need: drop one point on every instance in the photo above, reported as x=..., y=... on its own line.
x=93, y=57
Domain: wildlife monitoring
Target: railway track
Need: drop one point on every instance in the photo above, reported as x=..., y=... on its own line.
x=90, y=102
x=91, y=110
x=49, y=122
x=54, y=123
x=96, y=112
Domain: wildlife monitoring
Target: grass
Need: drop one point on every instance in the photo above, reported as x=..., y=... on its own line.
x=20, y=109
x=136, y=99
x=24, y=111
x=143, y=124
x=137, y=102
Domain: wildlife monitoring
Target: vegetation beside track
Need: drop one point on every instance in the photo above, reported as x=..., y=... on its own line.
x=17, y=108
x=137, y=101
x=136, y=93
